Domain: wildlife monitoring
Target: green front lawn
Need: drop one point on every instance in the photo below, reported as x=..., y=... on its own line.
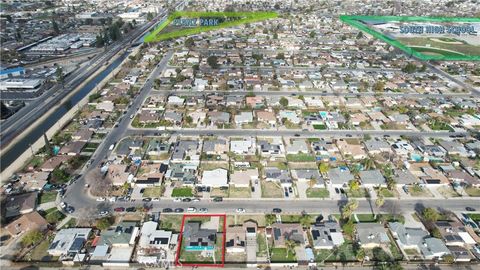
x=271, y=190
x=359, y=193
x=47, y=196
x=280, y=255
x=300, y=157
x=153, y=192
x=182, y=192
x=385, y=192
x=317, y=193
x=474, y=192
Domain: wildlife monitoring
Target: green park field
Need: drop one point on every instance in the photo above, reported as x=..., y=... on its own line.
x=422, y=47
x=161, y=32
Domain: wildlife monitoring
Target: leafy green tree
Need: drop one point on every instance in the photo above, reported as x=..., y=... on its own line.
x=99, y=42
x=448, y=258
x=32, y=238
x=55, y=27
x=312, y=34
x=430, y=214
x=104, y=223
x=409, y=68
x=270, y=219
x=290, y=246
x=283, y=101
x=54, y=217
x=380, y=201
x=349, y=228
x=324, y=167
x=59, y=75
x=149, y=16
x=213, y=61
x=189, y=43
x=348, y=209
x=60, y=176
x=354, y=185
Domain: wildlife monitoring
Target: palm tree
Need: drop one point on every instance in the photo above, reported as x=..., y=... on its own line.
x=380, y=201
x=368, y=163
x=290, y=246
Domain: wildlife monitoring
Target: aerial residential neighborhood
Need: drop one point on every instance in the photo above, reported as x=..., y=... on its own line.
x=240, y=134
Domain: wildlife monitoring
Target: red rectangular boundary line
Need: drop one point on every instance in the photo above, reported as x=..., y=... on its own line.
x=180, y=239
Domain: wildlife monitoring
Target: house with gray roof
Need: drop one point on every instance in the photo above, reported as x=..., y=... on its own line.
x=338, y=177
x=372, y=178
x=327, y=235
x=281, y=176
x=182, y=147
x=408, y=238
x=184, y=173
x=173, y=116
x=197, y=238
x=371, y=235
x=377, y=146
x=307, y=175
x=243, y=118
x=404, y=177
x=297, y=146
x=219, y=117
x=433, y=248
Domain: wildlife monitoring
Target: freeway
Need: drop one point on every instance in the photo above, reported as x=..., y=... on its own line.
x=289, y=132
x=21, y=120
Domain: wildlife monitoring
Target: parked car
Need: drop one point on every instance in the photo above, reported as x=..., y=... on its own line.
x=186, y=200
x=337, y=190
x=196, y=200
x=277, y=210
x=119, y=209
x=131, y=209
x=290, y=189
x=471, y=209
x=70, y=209
x=63, y=205
x=167, y=210
x=178, y=210
x=191, y=210
x=240, y=210
x=217, y=199
x=177, y=200
x=155, y=199
x=147, y=199
x=203, y=210
x=103, y=213
x=101, y=199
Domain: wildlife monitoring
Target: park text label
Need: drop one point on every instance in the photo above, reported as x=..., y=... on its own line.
x=194, y=22
x=438, y=29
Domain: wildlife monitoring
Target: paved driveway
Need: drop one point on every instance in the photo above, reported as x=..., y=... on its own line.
x=302, y=187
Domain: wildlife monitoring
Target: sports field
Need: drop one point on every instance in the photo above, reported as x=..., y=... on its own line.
x=164, y=31
x=423, y=45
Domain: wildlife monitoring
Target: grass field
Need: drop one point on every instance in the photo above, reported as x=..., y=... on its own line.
x=243, y=17
x=425, y=47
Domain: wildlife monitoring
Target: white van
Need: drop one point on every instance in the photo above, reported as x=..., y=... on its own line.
x=191, y=210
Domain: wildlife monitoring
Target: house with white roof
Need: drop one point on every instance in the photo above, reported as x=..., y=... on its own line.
x=215, y=178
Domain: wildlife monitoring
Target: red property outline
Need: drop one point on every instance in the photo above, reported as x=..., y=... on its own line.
x=179, y=243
